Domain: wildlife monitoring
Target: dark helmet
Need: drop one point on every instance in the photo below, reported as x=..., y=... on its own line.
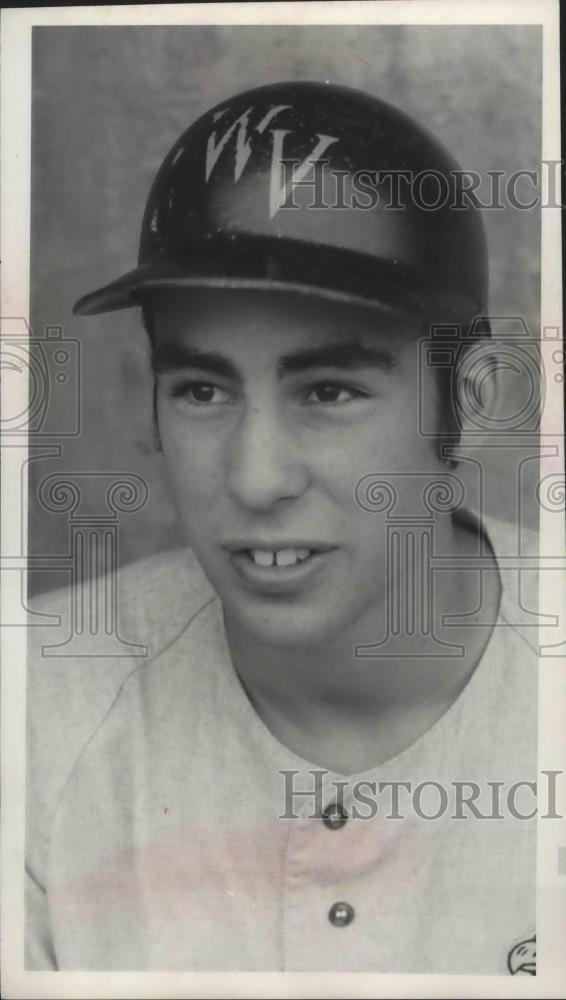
x=315, y=188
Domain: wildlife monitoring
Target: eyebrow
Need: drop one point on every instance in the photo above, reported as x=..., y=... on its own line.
x=169, y=357
x=346, y=355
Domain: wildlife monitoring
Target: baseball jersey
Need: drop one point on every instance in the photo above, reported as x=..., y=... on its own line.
x=167, y=827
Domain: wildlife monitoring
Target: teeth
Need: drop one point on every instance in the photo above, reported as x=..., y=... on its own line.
x=262, y=557
x=282, y=557
x=286, y=557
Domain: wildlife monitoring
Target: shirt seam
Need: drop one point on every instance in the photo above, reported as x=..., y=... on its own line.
x=517, y=630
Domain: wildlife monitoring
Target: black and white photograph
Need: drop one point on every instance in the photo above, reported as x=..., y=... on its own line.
x=283, y=557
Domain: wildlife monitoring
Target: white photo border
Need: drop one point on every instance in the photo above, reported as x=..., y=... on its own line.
x=550, y=981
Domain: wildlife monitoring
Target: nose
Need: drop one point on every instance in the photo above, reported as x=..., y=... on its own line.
x=264, y=464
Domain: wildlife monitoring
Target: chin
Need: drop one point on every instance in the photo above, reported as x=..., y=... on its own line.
x=288, y=627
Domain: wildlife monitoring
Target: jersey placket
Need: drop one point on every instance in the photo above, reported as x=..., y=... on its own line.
x=326, y=852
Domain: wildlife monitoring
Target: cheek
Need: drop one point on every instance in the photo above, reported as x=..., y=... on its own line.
x=193, y=462
x=388, y=441
x=375, y=468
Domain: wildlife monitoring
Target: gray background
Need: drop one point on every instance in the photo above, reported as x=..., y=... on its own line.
x=107, y=105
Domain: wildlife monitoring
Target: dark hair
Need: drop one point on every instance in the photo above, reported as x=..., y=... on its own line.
x=149, y=326
x=449, y=384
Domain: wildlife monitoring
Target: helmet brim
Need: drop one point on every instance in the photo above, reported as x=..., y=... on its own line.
x=280, y=265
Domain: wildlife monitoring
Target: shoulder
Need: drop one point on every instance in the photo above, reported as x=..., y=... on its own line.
x=517, y=554
x=145, y=602
x=83, y=644
x=510, y=538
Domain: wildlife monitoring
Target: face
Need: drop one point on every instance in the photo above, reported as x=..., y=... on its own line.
x=271, y=408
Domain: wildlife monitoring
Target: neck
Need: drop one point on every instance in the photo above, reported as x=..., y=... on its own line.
x=303, y=690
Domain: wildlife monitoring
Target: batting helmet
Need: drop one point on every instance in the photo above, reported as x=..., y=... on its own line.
x=316, y=188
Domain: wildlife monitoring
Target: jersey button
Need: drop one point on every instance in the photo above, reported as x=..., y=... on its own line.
x=334, y=816
x=341, y=914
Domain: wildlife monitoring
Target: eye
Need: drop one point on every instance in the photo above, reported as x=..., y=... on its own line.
x=201, y=393
x=333, y=392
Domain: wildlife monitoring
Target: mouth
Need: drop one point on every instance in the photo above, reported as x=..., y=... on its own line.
x=278, y=568
x=289, y=556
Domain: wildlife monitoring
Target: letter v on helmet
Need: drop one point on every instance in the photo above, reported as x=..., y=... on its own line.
x=279, y=192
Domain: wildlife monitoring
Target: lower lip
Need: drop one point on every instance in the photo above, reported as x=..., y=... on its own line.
x=278, y=579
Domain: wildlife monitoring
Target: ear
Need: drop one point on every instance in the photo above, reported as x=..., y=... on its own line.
x=478, y=387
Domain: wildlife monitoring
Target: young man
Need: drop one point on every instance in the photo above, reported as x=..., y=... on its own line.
x=324, y=762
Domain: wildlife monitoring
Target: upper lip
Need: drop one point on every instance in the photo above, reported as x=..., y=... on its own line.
x=272, y=545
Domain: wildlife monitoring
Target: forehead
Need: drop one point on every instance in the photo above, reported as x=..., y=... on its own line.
x=235, y=320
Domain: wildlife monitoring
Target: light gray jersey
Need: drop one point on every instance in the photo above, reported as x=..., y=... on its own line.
x=166, y=829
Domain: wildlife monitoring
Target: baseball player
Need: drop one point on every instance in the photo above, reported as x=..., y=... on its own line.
x=324, y=761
